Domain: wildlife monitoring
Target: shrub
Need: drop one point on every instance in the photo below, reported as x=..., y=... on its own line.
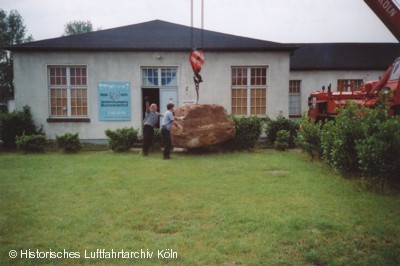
x=122, y=139
x=69, y=142
x=326, y=140
x=157, y=139
x=31, y=143
x=309, y=137
x=282, y=123
x=379, y=152
x=15, y=124
x=282, y=140
x=360, y=140
x=248, y=131
x=339, y=139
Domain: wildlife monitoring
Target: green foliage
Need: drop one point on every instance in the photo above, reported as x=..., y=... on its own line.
x=326, y=140
x=12, y=31
x=69, y=142
x=378, y=153
x=282, y=140
x=122, y=139
x=15, y=124
x=339, y=142
x=157, y=140
x=359, y=141
x=308, y=137
x=31, y=143
x=77, y=27
x=282, y=123
x=248, y=131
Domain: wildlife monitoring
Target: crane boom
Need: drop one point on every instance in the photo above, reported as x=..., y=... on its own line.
x=389, y=13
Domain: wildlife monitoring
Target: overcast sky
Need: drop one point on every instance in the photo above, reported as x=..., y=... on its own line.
x=273, y=20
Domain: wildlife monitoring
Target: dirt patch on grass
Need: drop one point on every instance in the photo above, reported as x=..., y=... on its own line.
x=276, y=171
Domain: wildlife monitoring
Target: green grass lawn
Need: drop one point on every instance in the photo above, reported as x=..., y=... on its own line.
x=261, y=208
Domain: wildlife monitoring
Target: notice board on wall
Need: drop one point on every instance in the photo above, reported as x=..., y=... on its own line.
x=114, y=101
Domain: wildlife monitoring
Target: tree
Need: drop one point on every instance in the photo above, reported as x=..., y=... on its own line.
x=77, y=27
x=12, y=31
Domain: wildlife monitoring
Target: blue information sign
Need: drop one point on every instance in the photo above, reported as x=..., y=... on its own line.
x=114, y=101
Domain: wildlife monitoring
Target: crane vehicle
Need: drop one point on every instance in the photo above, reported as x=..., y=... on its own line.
x=324, y=104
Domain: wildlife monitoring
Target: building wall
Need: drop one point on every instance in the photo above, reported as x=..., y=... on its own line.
x=314, y=80
x=31, y=82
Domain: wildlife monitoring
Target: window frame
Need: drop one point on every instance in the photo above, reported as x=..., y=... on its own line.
x=357, y=84
x=70, y=90
x=395, y=75
x=253, y=81
x=163, y=73
x=296, y=93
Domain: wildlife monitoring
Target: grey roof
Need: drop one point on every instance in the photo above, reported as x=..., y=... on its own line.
x=150, y=36
x=160, y=35
x=344, y=56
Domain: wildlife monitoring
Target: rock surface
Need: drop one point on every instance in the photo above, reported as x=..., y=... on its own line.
x=201, y=125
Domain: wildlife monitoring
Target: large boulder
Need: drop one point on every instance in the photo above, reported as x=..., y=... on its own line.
x=201, y=125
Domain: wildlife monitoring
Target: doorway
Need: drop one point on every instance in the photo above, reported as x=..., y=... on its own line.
x=153, y=96
x=161, y=97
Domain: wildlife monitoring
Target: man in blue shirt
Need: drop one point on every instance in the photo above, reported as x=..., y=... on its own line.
x=166, y=130
x=149, y=122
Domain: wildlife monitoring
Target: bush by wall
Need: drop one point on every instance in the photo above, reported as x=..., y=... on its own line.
x=15, y=124
x=69, y=142
x=309, y=137
x=282, y=123
x=282, y=140
x=122, y=139
x=248, y=131
x=360, y=141
x=157, y=140
x=31, y=143
x=339, y=139
x=326, y=141
x=378, y=153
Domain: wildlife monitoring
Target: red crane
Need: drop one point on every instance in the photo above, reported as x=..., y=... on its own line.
x=324, y=104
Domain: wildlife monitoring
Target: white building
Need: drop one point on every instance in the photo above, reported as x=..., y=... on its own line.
x=91, y=82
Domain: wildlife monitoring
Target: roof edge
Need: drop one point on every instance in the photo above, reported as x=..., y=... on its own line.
x=147, y=49
x=335, y=68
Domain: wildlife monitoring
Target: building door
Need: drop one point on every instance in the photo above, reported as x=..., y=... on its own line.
x=168, y=95
x=160, y=86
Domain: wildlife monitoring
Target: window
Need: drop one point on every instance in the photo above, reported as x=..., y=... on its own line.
x=249, y=90
x=347, y=84
x=396, y=71
x=168, y=77
x=294, y=97
x=149, y=77
x=156, y=77
x=68, y=91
